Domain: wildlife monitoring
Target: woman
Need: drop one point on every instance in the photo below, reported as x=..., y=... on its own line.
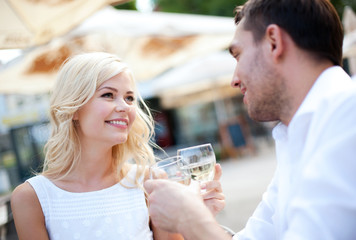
x=89, y=188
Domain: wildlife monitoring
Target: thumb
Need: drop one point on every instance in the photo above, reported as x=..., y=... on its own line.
x=149, y=185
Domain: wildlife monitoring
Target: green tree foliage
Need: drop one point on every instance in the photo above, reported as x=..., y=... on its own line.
x=206, y=7
x=128, y=5
x=340, y=5
x=216, y=7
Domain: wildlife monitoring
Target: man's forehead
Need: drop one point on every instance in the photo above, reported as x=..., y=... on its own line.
x=240, y=24
x=239, y=33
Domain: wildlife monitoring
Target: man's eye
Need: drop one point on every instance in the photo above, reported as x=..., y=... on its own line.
x=107, y=95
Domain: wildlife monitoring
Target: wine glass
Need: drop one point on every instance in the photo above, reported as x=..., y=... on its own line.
x=201, y=161
x=172, y=168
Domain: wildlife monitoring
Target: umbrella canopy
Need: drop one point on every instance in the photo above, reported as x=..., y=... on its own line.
x=203, y=79
x=150, y=43
x=349, y=47
x=25, y=23
x=349, y=20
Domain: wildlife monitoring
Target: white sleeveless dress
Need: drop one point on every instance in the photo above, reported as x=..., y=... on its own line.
x=112, y=213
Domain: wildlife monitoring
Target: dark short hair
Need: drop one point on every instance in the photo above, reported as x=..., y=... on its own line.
x=314, y=25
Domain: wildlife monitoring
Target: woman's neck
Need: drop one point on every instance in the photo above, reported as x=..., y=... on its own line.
x=94, y=171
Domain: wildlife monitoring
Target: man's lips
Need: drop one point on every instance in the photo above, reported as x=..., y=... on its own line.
x=242, y=88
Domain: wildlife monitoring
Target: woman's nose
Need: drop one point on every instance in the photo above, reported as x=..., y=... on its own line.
x=122, y=106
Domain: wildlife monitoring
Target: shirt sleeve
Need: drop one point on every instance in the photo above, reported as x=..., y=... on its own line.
x=324, y=204
x=260, y=224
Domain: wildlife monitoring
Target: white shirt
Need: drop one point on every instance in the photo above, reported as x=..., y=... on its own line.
x=116, y=212
x=313, y=192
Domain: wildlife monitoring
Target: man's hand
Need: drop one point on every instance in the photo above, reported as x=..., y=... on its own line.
x=171, y=203
x=178, y=208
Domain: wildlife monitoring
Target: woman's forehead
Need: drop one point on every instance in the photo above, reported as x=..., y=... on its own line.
x=122, y=78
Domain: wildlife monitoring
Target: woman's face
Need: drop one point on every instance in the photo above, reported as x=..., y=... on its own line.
x=108, y=116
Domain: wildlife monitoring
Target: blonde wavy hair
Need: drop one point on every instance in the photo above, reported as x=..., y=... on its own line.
x=78, y=79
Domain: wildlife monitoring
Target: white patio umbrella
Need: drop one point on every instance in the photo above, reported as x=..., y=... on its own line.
x=203, y=79
x=25, y=23
x=349, y=47
x=150, y=43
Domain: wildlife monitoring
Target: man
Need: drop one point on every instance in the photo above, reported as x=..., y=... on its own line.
x=288, y=55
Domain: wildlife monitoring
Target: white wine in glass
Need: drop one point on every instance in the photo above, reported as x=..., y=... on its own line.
x=172, y=168
x=201, y=161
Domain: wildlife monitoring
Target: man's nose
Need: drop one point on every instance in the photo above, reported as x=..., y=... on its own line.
x=235, y=82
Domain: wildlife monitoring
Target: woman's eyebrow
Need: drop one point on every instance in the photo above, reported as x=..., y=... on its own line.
x=111, y=88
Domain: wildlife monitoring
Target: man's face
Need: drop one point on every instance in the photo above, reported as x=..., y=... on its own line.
x=262, y=87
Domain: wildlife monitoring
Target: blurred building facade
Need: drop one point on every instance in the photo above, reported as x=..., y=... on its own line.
x=23, y=132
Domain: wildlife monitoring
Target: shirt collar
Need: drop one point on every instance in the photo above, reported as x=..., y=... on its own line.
x=279, y=132
x=324, y=85
x=329, y=82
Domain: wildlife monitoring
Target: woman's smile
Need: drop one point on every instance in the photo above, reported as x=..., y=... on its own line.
x=119, y=123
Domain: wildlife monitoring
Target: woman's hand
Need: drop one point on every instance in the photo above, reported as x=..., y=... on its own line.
x=213, y=197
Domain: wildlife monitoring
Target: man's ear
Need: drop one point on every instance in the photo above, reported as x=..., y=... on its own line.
x=276, y=45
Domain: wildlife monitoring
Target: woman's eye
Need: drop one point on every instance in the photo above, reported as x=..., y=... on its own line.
x=130, y=98
x=107, y=95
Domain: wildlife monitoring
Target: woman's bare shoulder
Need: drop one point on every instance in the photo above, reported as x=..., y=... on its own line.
x=27, y=212
x=23, y=193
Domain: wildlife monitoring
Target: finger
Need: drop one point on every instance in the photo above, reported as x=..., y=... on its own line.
x=150, y=185
x=218, y=171
x=146, y=174
x=162, y=175
x=220, y=204
x=212, y=185
x=213, y=195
